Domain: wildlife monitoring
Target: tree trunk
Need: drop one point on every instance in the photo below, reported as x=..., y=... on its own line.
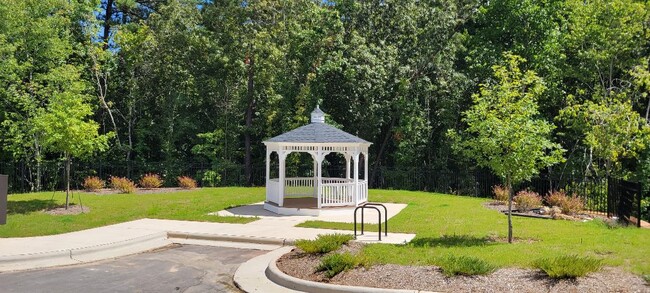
x=67, y=180
x=107, y=22
x=382, y=148
x=510, y=192
x=37, y=153
x=248, y=163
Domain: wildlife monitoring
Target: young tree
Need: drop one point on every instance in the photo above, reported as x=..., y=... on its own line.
x=503, y=132
x=64, y=125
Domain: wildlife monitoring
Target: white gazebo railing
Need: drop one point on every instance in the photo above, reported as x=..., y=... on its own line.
x=334, y=191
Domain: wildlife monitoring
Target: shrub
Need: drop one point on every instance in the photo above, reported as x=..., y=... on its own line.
x=323, y=243
x=124, y=185
x=93, y=183
x=339, y=262
x=186, y=182
x=501, y=193
x=568, y=204
x=210, y=179
x=571, y=266
x=150, y=181
x=463, y=265
x=555, y=198
x=527, y=200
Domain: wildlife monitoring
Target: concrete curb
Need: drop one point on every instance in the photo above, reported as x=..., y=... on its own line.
x=84, y=254
x=230, y=238
x=274, y=274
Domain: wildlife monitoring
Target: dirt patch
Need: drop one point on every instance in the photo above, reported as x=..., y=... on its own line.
x=503, y=208
x=106, y=191
x=430, y=278
x=71, y=210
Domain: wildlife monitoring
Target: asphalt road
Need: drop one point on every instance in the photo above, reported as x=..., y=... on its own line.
x=187, y=268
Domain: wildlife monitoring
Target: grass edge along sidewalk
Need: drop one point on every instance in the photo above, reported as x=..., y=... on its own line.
x=444, y=224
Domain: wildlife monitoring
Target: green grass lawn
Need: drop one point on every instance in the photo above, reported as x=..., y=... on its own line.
x=457, y=225
x=26, y=219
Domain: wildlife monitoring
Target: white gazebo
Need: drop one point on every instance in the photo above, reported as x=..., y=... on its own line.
x=306, y=195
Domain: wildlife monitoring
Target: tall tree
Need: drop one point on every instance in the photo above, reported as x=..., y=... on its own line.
x=503, y=130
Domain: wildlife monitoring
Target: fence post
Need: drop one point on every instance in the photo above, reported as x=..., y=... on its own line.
x=4, y=186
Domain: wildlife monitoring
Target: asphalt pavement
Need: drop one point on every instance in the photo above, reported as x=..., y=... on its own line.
x=175, y=268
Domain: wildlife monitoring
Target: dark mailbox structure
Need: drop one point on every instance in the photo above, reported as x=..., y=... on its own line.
x=4, y=186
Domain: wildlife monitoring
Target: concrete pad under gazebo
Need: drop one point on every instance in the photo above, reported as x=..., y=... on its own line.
x=307, y=195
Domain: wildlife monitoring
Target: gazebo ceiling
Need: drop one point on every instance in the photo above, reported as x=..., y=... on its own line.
x=317, y=132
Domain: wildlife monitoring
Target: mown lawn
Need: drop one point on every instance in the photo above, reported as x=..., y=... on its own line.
x=26, y=219
x=458, y=225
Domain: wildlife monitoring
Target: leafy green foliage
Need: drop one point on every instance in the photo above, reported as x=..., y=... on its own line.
x=336, y=263
x=462, y=265
x=323, y=243
x=570, y=266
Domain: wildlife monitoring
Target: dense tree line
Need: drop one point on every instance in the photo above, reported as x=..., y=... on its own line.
x=186, y=80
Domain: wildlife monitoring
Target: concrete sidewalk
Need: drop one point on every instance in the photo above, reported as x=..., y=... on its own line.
x=146, y=234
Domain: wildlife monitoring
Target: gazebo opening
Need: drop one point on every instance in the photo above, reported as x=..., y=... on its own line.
x=317, y=166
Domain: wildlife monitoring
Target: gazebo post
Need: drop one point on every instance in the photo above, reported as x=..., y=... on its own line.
x=365, y=167
x=356, y=178
x=319, y=160
x=282, y=155
x=347, y=166
x=268, y=169
x=316, y=186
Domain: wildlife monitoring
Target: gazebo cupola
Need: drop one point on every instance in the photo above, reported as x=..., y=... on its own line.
x=317, y=139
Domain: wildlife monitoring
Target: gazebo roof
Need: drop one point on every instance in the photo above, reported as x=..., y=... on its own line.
x=317, y=132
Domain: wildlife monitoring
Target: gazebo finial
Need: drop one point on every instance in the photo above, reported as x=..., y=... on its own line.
x=317, y=116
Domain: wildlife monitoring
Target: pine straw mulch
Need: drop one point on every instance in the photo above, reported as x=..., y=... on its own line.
x=609, y=279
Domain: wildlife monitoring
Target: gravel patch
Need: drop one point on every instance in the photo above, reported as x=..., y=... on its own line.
x=430, y=278
x=106, y=191
x=72, y=210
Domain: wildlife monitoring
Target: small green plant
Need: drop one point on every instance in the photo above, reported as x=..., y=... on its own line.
x=463, y=265
x=210, y=179
x=93, y=183
x=123, y=185
x=323, y=243
x=150, y=181
x=186, y=182
x=501, y=193
x=570, y=266
x=335, y=263
x=647, y=279
x=527, y=200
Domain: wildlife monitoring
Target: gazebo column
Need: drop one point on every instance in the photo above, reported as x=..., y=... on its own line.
x=315, y=170
x=356, y=178
x=268, y=171
x=282, y=155
x=365, y=167
x=347, y=165
x=319, y=173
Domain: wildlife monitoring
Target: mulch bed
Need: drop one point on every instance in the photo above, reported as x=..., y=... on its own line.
x=72, y=209
x=430, y=278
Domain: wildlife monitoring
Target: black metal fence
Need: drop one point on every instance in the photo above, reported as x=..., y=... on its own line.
x=599, y=194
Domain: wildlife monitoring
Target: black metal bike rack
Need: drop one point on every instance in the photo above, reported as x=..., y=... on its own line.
x=374, y=207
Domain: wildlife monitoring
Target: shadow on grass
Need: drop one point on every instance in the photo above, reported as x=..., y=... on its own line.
x=451, y=241
x=28, y=206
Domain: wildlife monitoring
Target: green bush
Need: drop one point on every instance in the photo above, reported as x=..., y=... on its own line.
x=570, y=266
x=339, y=262
x=323, y=243
x=527, y=200
x=463, y=265
x=210, y=179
